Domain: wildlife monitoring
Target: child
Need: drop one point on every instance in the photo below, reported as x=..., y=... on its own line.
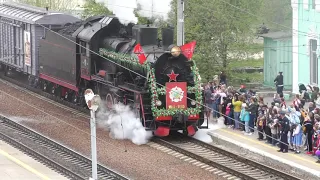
x=260, y=126
x=297, y=138
x=228, y=112
x=241, y=116
x=318, y=154
x=245, y=116
x=274, y=131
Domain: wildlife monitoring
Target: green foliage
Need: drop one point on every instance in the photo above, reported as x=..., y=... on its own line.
x=142, y=19
x=277, y=14
x=59, y=5
x=93, y=8
x=221, y=31
x=238, y=78
x=155, y=20
x=246, y=63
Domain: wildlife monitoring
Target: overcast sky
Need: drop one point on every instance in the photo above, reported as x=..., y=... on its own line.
x=124, y=8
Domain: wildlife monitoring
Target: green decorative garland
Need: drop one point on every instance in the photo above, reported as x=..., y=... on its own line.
x=162, y=91
x=121, y=57
x=154, y=90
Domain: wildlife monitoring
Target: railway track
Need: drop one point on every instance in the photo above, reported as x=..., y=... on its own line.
x=217, y=160
x=38, y=93
x=206, y=156
x=56, y=156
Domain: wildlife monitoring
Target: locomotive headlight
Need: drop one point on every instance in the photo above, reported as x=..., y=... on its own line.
x=193, y=102
x=158, y=103
x=175, y=51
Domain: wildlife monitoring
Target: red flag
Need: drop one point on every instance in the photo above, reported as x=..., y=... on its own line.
x=139, y=51
x=188, y=49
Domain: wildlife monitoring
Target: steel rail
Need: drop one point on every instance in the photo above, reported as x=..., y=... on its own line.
x=58, y=157
x=221, y=159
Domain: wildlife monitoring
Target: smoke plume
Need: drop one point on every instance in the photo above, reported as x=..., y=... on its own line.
x=121, y=122
x=124, y=9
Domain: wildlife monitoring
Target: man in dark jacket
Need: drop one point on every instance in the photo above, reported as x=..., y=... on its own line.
x=285, y=127
x=279, y=83
x=223, y=78
x=253, y=110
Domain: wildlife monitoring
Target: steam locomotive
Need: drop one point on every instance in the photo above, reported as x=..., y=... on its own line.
x=163, y=89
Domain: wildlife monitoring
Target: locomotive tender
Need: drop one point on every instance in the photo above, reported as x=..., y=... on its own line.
x=98, y=53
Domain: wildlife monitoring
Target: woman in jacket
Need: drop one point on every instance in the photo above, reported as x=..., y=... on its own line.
x=308, y=131
x=236, y=110
x=245, y=117
x=252, y=109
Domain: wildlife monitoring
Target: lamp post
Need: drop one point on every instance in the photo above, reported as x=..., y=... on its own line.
x=93, y=101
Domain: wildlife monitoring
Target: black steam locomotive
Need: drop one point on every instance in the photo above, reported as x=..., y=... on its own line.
x=98, y=53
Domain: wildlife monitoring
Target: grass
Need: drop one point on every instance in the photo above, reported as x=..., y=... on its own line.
x=245, y=63
x=239, y=78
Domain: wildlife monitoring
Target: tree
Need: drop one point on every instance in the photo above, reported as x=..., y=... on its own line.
x=93, y=8
x=58, y=5
x=156, y=20
x=275, y=12
x=221, y=30
x=142, y=19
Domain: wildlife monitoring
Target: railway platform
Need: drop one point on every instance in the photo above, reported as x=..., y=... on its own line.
x=251, y=147
x=15, y=165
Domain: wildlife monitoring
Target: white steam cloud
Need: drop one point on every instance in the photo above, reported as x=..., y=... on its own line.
x=122, y=123
x=123, y=9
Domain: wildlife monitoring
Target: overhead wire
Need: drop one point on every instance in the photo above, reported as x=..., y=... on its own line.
x=132, y=72
x=259, y=17
x=206, y=8
x=135, y=72
x=141, y=9
x=140, y=74
x=137, y=155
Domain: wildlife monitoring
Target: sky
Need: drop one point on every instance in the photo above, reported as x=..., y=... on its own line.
x=123, y=9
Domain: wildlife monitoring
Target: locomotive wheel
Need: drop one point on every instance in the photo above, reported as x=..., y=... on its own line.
x=185, y=132
x=115, y=100
x=109, y=101
x=75, y=98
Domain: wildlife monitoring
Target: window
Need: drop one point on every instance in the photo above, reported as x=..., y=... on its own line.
x=313, y=61
x=313, y=4
x=82, y=47
x=87, y=50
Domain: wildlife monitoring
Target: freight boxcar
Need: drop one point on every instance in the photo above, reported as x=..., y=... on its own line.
x=20, y=32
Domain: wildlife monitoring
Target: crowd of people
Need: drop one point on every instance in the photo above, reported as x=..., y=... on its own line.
x=291, y=127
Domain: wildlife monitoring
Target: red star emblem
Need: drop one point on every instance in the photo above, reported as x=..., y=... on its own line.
x=172, y=76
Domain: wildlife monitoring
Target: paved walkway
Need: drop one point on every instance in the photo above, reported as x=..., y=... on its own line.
x=237, y=138
x=14, y=165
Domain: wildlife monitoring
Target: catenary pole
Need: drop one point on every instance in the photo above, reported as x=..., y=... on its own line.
x=180, y=22
x=93, y=101
x=93, y=145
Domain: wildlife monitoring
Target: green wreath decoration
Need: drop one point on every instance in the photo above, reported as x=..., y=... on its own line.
x=154, y=90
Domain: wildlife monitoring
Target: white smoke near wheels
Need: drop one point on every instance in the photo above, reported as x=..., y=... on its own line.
x=121, y=122
x=202, y=134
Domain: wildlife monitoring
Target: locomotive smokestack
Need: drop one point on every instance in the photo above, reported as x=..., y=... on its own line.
x=167, y=37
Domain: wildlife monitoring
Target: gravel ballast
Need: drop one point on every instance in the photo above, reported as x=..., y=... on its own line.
x=136, y=162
